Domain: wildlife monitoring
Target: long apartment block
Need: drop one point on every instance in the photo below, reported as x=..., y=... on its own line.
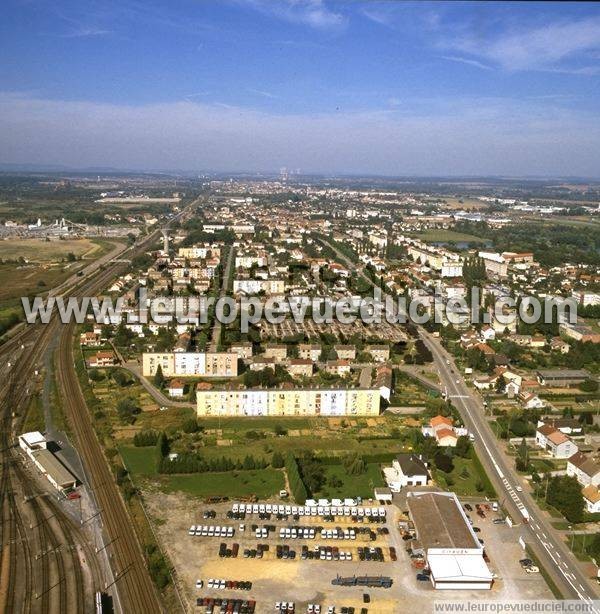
x=287, y=401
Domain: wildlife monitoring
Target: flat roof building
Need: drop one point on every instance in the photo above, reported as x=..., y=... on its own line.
x=56, y=473
x=453, y=552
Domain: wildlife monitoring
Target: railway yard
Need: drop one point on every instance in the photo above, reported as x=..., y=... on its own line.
x=46, y=564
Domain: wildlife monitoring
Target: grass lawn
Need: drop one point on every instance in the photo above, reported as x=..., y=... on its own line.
x=352, y=485
x=138, y=461
x=260, y=482
x=462, y=484
x=577, y=544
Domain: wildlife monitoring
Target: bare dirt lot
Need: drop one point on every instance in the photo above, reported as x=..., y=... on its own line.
x=309, y=581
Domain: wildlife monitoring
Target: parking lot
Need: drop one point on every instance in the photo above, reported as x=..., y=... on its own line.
x=291, y=558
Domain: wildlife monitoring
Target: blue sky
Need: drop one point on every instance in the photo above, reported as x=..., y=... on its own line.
x=345, y=87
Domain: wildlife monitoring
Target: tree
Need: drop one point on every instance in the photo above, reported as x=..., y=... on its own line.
x=120, y=377
x=279, y=430
x=463, y=446
x=190, y=426
x=354, y=465
x=127, y=410
x=249, y=463
x=443, y=462
x=277, y=460
x=162, y=449
x=522, y=460
x=564, y=493
x=594, y=547
x=159, y=378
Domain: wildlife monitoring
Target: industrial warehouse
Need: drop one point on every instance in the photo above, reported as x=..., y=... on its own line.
x=35, y=445
x=452, y=550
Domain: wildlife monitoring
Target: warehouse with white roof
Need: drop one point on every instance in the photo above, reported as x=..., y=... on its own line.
x=453, y=553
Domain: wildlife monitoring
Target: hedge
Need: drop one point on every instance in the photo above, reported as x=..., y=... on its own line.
x=295, y=480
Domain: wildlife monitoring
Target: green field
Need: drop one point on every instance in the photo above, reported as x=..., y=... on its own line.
x=260, y=482
x=46, y=267
x=464, y=478
x=139, y=461
x=40, y=250
x=352, y=485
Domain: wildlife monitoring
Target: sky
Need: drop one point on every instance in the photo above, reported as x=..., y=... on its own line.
x=322, y=86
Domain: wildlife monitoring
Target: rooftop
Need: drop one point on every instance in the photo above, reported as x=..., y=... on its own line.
x=54, y=468
x=440, y=522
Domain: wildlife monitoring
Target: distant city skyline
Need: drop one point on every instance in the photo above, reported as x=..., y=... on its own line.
x=373, y=88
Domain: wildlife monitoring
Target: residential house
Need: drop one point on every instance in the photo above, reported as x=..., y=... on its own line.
x=512, y=389
x=530, y=400
x=277, y=351
x=300, y=367
x=175, y=388
x=242, y=349
x=585, y=468
x=345, y=352
x=568, y=426
x=102, y=359
x=310, y=352
x=559, y=345
x=406, y=470
x=553, y=441
x=442, y=429
x=591, y=498
x=338, y=367
x=383, y=381
x=90, y=339
x=258, y=363
x=380, y=353
x=487, y=333
x=485, y=382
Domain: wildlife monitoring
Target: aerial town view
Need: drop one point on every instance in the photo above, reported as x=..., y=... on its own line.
x=299, y=307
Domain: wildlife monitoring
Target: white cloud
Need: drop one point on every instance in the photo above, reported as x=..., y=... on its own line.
x=313, y=13
x=460, y=60
x=86, y=32
x=557, y=46
x=484, y=136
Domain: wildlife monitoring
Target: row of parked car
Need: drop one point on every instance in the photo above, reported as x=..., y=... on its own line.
x=325, y=553
x=298, y=532
x=242, y=585
x=314, y=608
x=228, y=553
x=211, y=531
x=256, y=553
x=235, y=606
x=305, y=510
x=371, y=554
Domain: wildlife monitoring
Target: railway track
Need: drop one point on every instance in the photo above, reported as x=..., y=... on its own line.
x=40, y=566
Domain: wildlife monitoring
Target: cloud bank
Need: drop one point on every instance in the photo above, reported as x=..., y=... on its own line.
x=477, y=137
